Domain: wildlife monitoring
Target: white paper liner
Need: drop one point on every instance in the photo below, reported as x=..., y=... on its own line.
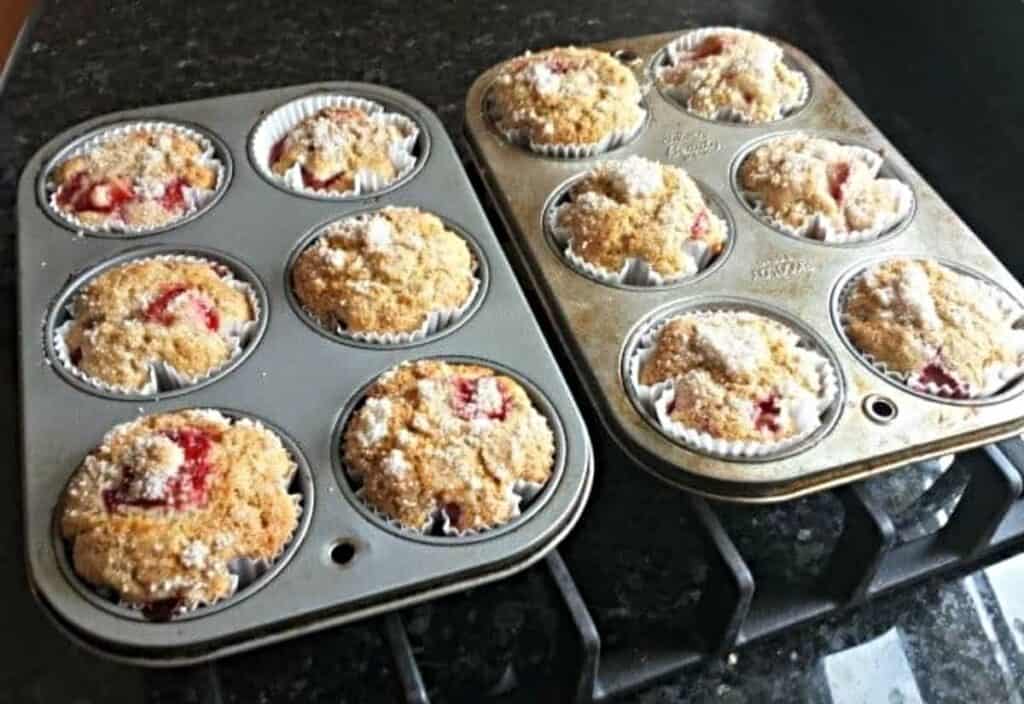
x=163, y=377
x=998, y=378
x=635, y=271
x=689, y=41
x=195, y=198
x=655, y=400
x=818, y=227
x=614, y=139
x=276, y=125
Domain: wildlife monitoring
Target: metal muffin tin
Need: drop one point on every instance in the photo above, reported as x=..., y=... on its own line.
x=299, y=380
x=881, y=425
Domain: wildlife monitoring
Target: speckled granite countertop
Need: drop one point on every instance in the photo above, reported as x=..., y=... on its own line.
x=942, y=83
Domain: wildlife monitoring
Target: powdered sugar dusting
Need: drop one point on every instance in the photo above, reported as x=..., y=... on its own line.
x=634, y=177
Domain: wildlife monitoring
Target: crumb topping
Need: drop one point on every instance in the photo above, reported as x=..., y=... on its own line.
x=160, y=510
x=637, y=208
x=384, y=272
x=333, y=146
x=738, y=376
x=453, y=440
x=925, y=320
x=797, y=178
x=187, y=314
x=566, y=96
x=735, y=72
x=141, y=178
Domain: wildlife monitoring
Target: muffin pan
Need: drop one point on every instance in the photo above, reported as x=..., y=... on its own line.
x=342, y=565
x=878, y=425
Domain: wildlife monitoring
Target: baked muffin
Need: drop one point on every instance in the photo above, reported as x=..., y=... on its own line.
x=146, y=318
x=136, y=178
x=737, y=376
x=450, y=442
x=160, y=510
x=732, y=74
x=345, y=148
x=566, y=97
x=822, y=189
x=636, y=209
x=392, y=271
x=944, y=332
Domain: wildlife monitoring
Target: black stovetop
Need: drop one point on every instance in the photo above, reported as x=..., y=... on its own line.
x=941, y=82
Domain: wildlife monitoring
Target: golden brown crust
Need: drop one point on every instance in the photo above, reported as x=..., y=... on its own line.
x=797, y=177
x=384, y=272
x=334, y=145
x=164, y=309
x=739, y=72
x=135, y=528
x=455, y=438
x=737, y=376
x=636, y=208
x=565, y=95
x=912, y=314
x=141, y=178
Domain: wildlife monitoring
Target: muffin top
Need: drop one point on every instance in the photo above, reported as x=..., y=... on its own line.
x=338, y=143
x=738, y=73
x=160, y=509
x=141, y=178
x=639, y=209
x=738, y=376
x=565, y=96
x=186, y=313
x=447, y=440
x=384, y=272
x=936, y=326
x=797, y=178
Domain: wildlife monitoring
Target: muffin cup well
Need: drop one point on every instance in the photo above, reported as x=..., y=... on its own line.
x=163, y=377
x=249, y=574
x=655, y=400
x=635, y=271
x=525, y=498
x=1000, y=379
x=279, y=122
x=198, y=200
x=689, y=41
x=817, y=227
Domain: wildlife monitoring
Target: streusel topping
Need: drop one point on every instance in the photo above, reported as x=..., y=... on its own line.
x=566, y=96
x=158, y=512
x=384, y=272
x=738, y=376
x=640, y=209
x=453, y=440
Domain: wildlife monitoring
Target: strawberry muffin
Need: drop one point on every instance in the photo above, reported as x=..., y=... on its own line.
x=731, y=74
x=160, y=322
x=136, y=178
x=566, y=101
x=396, y=271
x=638, y=221
x=450, y=444
x=941, y=331
x=160, y=513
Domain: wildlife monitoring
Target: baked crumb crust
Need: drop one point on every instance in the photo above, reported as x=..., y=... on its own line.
x=454, y=440
x=162, y=507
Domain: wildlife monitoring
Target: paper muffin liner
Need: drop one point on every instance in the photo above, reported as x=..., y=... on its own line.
x=998, y=377
x=614, y=139
x=692, y=39
x=818, y=227
x=635, y=271
x=196, y=199
x=277, y=124
x=244, y=571
x=656, y=399
x=162, y=376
